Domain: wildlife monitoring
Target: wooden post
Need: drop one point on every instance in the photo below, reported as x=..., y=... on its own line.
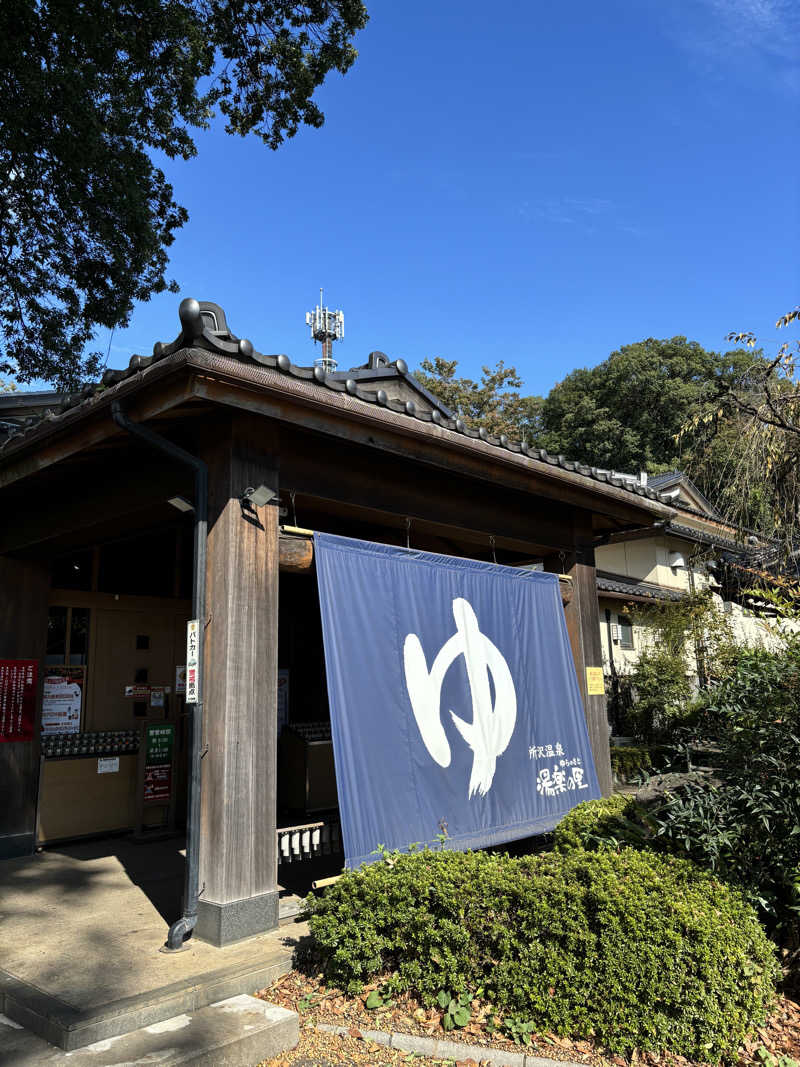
x=238, y=843
x=23, y=635
x=582, y=613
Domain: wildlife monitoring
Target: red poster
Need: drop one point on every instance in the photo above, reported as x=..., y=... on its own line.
x=157, y=783
x=17, y=699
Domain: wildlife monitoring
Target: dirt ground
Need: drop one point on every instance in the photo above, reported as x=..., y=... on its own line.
x=318, y=1049
x=316, y=1003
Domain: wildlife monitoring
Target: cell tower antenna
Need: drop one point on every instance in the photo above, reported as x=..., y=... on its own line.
x=326, y=327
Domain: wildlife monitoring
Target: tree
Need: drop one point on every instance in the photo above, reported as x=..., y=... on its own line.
x=627, y=412
x=89, y=91
x=758, y=484
x=494, y=403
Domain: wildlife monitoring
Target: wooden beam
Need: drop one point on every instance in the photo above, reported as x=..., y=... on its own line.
x=238, y=845
x=131, y=483
x=83, y=428
x=582, y=614
x=296, y=554
x=317, y=409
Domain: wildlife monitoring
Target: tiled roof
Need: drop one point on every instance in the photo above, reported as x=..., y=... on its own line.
x=705, y=537
x=203, y=326
x=629, y=587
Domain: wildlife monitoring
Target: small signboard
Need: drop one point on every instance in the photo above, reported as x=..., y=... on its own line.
x=17, y=699
x=180, y=681
x=108, y=765
x=192, y=655
x=62, y=696
x=156, y=696
x=159, y=744
x=138, y=692
x=595, y=684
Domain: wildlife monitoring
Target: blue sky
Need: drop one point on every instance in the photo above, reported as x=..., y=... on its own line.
x=532, y=182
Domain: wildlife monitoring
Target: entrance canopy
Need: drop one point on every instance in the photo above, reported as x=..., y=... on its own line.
x=455, y=707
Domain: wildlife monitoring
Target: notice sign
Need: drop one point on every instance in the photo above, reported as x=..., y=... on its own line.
x=595, y=685
x=180, y=681
x=17, y=699
x=108, y=765
x=192, y=653
x=159, y=743
x=62, y=696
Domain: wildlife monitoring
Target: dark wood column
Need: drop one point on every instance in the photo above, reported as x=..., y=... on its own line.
x=24, y=591
x=582, y=613
x=238, y=844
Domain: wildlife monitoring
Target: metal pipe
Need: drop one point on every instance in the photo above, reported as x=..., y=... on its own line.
x=182, y=927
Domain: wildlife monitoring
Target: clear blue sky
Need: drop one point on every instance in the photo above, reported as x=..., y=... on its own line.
x=534, y=182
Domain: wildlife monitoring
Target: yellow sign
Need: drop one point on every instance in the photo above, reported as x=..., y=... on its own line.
x=595, y=685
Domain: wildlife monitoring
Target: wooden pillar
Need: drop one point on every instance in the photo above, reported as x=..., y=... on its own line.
x=582, y=613
x=238, y=844
x=24, y=588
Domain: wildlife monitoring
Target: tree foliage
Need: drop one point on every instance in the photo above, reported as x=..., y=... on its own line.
x=627, y=412
x=493, y=403
x=748, y=445
x=89, y=92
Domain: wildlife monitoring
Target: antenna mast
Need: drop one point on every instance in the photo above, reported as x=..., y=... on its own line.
x=326, y=327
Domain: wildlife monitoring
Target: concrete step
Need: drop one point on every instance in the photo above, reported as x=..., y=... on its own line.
x=291, y=909
x=71, y=1028
x=237, y=1032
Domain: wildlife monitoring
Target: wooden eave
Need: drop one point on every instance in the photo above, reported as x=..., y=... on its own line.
x=192, y=375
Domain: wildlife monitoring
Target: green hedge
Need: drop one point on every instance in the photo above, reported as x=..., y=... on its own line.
x=640, y=951
x=614, y=819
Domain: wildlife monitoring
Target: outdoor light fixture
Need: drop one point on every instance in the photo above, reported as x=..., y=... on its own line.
x=181, y=503
x=259, y=497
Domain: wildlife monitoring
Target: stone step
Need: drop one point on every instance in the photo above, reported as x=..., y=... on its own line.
x=70, y=1028
x=236, y=1032
x=291, y=909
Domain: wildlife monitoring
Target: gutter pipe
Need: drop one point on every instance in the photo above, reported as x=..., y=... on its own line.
x=182, y=927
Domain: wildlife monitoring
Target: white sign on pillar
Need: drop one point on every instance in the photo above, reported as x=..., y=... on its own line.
x=192, y=650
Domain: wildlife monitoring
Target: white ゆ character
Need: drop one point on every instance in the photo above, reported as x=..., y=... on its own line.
x=492, y=725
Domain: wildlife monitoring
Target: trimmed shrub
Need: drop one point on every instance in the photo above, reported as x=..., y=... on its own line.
x=607, y=822
x=638, y=950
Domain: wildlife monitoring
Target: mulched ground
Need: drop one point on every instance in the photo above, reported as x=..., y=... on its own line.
x=317, y=1049
x=308, y=995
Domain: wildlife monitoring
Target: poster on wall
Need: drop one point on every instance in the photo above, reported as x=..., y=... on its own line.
x=62, y=698
x=17, y=699
x=159, y=743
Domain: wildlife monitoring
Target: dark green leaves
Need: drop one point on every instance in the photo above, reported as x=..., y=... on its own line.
x=88, y=92
x=639, y=950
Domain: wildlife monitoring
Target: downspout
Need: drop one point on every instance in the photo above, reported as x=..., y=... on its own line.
x=182, y=927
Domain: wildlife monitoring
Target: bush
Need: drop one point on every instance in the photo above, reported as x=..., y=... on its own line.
x=637, y=950
x=745, y=827
x=608, y=821
x=628, y=761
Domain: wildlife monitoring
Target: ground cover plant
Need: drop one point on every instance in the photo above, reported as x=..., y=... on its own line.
x=634, y=950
